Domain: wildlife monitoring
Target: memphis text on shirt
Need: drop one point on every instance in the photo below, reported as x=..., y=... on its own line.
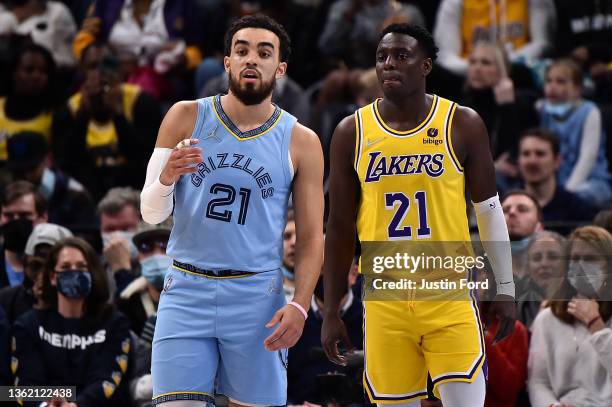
x=71, y=341
x=383, y=166
x=238, y=162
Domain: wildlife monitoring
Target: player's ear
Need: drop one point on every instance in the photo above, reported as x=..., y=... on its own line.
x=427, y=66
x=226, y=63
x=281, y=70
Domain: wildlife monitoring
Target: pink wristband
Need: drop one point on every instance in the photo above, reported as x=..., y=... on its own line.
x=300, y=308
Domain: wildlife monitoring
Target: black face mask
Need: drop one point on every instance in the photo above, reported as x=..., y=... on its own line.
x=16, y=234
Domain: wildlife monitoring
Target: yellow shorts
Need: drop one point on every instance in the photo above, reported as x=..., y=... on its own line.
x=404, y=341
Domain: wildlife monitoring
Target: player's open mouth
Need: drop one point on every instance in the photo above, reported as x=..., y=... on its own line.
x=250, y=74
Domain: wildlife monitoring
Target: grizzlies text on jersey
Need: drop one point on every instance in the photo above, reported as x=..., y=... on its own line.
x=230, y=214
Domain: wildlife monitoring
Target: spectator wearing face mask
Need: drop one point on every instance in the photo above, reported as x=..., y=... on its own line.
x=22, y=298
x=119, y=217
x=138, y=301
x=151, y=241
x=523, y=217
x=570, y=363
x=22, y=207
x=578, y=125
x=79, y=339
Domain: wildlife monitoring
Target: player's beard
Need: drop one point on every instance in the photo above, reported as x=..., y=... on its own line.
x=249, y=94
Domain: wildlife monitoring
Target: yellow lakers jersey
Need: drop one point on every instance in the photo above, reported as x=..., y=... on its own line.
x=8, y=127
x=412, y=185
x=508, y=23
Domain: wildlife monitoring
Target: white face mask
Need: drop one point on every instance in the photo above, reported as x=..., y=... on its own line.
x=586, y=277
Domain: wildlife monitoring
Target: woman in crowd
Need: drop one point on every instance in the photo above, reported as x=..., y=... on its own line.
x=79, y=339
x=505, y=110
x=577, y=123
x=29, y=103
x=570, y=363
x=546, y=265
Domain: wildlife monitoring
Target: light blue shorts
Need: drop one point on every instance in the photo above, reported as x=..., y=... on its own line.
x=209, y=339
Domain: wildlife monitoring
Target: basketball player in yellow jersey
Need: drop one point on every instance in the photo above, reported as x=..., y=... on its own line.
x=398, y=171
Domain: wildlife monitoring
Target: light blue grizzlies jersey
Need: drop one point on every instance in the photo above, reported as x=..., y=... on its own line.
x=231, y=213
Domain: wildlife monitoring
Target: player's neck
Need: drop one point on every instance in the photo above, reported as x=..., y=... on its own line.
x=410, y=110
x=543, y=191
x=247, y=117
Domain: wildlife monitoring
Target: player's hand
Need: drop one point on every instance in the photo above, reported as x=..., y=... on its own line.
x=183, y=160
x=333, y=332
x=504, y=309
x=289, y=330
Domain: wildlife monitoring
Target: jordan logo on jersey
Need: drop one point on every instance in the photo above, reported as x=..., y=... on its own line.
x=382, y=166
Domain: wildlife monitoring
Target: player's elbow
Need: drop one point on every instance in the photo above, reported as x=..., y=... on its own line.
x=152, y=216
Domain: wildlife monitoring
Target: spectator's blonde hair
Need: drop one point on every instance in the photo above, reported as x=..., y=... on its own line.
x=501, y=56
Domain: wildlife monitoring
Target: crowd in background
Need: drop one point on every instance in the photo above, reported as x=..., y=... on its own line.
x=84, y=85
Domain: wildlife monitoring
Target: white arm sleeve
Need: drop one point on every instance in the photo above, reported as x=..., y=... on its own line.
x=156, y=199
x=447, y=33
x=494, y=236
x=541, y=29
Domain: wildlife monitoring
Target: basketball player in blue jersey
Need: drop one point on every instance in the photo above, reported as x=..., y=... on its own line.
x=223, y=324
x=399, y=168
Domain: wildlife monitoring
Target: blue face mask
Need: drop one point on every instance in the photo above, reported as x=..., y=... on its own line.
x=47, y=183
x=74, y=283
x=558, y=109
x=518, y=246
x=154, y=269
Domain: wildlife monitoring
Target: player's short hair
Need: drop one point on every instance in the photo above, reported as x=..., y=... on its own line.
x=544, y=135
x=260, y=21
x=528, y=195
x=423, y=37
x=117, y=198
x=18, y=189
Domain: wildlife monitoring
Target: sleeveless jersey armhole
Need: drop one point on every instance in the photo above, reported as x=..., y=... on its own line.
x=448, y=124
x=200, y=115
x=358, y=139
x=286, y=151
